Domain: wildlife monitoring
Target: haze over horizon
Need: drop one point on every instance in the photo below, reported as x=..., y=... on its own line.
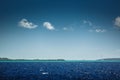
x=60, y=29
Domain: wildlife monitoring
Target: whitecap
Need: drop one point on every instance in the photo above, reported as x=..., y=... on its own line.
x=44, y=73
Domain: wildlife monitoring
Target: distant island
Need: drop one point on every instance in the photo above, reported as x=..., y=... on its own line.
x=98, y=60
x=7, y=59
x=110, y=59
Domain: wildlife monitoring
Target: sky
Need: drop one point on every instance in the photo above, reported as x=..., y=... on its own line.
x=60, y=29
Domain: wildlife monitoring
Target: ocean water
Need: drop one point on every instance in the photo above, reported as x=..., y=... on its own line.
x=60, y=70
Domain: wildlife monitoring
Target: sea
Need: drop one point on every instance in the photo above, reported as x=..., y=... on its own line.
x=61, y=70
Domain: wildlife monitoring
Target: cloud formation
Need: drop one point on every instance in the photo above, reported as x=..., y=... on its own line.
x=94, y=28
x=48, y=26
x=87, y=22
x=98, y=30
x=117, y=21
x=68, y=29
x=26, y=24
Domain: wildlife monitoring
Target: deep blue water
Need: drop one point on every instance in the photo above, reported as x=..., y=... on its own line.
x=59, y=70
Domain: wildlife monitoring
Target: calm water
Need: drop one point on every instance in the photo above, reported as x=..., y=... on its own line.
x=59, y=70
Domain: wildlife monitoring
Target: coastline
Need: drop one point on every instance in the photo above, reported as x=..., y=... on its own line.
x=59, y=61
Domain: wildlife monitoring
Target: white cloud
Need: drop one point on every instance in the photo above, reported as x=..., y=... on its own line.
x=98, y=30
x=48, y=26
x=87, y=22
x=68, y=29
x=26, y=24
x=117, y=21
x=93, y=27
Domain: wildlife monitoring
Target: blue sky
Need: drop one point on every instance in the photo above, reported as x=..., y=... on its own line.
x=60, y=29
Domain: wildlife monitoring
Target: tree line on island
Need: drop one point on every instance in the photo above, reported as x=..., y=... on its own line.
x=8, y=59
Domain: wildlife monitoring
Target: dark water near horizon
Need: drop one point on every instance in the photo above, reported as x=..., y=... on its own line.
x=59, y=70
